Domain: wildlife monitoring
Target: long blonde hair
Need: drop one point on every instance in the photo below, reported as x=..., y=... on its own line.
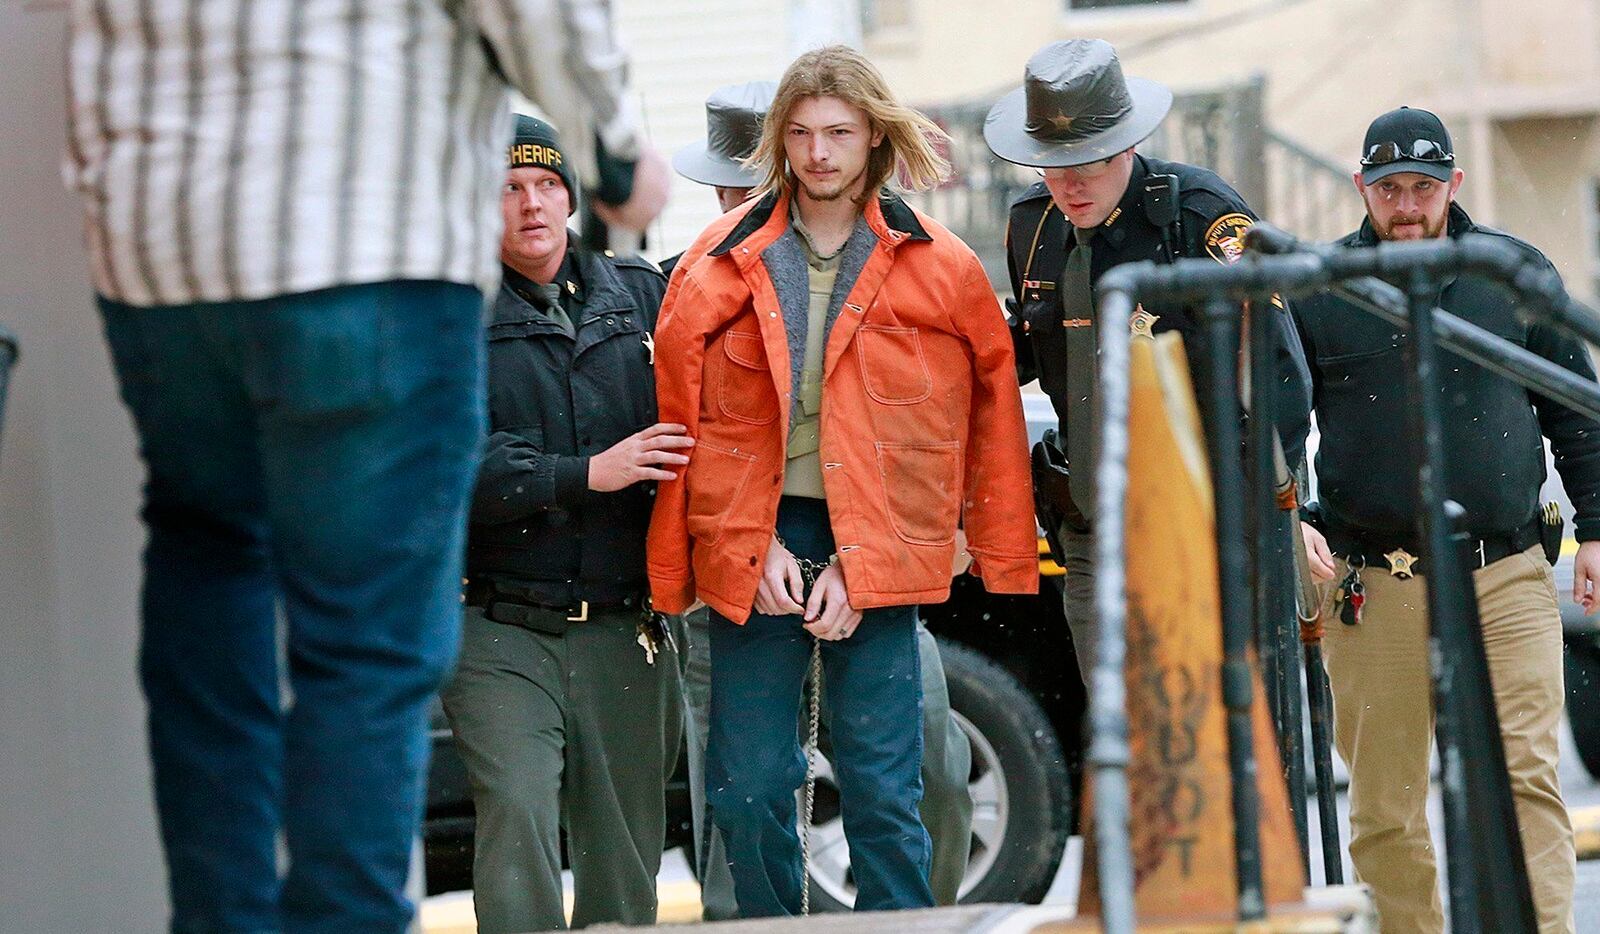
x=906, y=156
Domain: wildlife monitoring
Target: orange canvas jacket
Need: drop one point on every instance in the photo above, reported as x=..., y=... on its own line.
x=921, y=425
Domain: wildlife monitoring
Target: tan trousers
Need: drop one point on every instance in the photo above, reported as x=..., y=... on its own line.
x=1383, y=725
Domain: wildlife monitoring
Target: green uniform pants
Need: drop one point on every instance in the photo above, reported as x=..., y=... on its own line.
x=946, y=766
x=578, y=732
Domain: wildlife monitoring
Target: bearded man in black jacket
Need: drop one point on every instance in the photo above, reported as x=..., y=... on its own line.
x=1360, y=535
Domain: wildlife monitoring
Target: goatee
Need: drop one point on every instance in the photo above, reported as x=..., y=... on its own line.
x=814, y=195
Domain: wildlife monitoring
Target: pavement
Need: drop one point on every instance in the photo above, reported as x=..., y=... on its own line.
x=680, y=896
x=1578, y=789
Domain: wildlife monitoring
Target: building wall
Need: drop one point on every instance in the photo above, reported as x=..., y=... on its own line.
x=1552, y=45
x=1545, y=172
x=77, y=832
x=1517, y=83
x=682, y=50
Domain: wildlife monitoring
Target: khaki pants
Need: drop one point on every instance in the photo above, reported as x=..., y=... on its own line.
x=1383, y=724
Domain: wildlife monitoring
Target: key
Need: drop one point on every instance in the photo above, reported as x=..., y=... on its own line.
x=1355, y=598
x=648, y=642
x=1350, y=613
x=659, y=627
x=663, y=632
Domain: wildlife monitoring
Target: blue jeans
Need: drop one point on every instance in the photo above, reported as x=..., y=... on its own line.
x=310, y=461
x=754, y=761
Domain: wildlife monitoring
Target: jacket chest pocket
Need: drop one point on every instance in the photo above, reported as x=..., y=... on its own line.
x=1355, y=379
x=893, y=367
x=1345, y=336
x=618, y=337
x=744, y=379
x=525, y=376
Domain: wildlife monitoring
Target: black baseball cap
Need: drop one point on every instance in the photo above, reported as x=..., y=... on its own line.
x=1407, y=140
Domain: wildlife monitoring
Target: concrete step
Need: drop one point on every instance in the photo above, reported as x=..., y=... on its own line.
x=1343, y=909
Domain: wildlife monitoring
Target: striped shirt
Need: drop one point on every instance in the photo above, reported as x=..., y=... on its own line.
x=239, y=149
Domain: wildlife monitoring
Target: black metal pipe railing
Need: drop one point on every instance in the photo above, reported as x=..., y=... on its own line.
x=1222, y=335
x=1271, y=564
x=1319, y=700
x=1489, y=890
x=1283, y=622
x=1461, y=720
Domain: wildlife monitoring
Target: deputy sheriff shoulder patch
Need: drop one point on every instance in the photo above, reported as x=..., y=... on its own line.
x=1225, y=237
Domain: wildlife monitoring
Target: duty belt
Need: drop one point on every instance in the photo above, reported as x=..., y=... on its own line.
x=1401, y=556
x=552, y=618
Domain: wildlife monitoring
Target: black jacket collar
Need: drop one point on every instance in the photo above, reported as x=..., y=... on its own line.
x=600, y=290
x=1130, y=210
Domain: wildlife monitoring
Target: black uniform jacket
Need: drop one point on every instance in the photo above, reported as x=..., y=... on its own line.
x=1492, y=426
x=669, y=264
x=536, y=528
x=1213, y=218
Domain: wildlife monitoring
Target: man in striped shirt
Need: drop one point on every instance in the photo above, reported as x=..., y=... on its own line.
x=291, y=209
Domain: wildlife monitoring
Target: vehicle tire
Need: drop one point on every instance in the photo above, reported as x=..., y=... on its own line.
x=1033, y=831
x=1022, y=812
x=1583, y=700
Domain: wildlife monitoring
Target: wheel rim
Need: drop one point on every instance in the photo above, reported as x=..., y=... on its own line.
x=830, y=853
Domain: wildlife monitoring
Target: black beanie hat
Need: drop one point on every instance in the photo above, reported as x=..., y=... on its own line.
x=537, y=144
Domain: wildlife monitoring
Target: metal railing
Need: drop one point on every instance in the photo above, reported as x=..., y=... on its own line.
x=1306, y=194
x=1488, y=883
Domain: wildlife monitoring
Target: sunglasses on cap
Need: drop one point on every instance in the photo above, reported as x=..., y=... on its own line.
x=1422, y=150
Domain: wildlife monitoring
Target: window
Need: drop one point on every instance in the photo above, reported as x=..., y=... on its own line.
x=880, y=16
x=1114, y=4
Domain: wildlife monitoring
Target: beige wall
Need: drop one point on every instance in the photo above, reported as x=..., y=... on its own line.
x=1552, y=44
x=1543, y=190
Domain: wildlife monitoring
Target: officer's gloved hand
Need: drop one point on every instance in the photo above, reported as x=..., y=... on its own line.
x=642, y=192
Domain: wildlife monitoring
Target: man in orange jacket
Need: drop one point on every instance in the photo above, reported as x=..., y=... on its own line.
x=848, y=376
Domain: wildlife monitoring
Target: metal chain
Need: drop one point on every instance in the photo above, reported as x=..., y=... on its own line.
x=809, y=571
x=811, y=776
